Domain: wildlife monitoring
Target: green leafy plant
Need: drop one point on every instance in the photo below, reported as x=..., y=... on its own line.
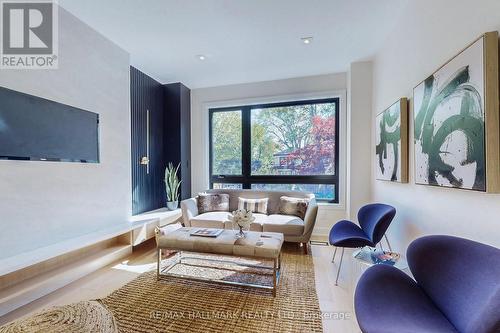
x=172, y=182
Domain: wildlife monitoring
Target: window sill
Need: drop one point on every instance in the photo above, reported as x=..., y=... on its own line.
x=331, y=206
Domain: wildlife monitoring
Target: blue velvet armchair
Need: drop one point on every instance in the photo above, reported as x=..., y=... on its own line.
x=456, y=289
x=374, y=219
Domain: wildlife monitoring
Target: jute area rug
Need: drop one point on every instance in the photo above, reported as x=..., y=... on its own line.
x=81, y=317
x=180, y=305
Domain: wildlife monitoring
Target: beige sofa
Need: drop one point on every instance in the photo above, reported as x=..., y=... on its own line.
x=292, y=227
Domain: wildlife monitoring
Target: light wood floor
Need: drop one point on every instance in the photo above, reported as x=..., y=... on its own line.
x=336, y=302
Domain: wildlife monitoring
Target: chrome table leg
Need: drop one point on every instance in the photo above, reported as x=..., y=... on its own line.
x=275, y=272
x=158, y=264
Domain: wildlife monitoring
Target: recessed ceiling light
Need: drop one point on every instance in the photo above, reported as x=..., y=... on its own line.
x=307, y=40
x=201, y=57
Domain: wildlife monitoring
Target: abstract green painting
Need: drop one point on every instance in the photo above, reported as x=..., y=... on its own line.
x=449, y=123
x=391, y=150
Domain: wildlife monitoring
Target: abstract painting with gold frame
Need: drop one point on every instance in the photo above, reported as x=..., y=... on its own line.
x=456, y=122
x=391, y=150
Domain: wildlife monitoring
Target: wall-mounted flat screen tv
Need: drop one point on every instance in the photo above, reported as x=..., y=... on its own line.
x=34, y=128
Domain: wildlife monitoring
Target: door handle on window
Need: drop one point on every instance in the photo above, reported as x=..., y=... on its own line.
x=221, y=176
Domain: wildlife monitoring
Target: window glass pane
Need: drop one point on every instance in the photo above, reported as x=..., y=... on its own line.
x=227, y=186
x=226, y=143
x=321, y=191
x=293, y=140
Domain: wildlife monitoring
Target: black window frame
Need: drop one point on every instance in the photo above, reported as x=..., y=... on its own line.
x=246, y=179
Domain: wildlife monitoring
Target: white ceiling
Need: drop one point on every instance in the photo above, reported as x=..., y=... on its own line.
x=244, y=40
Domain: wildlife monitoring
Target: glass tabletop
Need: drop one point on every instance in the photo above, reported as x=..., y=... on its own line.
x=371, y=256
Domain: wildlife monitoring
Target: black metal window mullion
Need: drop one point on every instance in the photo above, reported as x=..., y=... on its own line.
x=246, y=146
x=210, y=148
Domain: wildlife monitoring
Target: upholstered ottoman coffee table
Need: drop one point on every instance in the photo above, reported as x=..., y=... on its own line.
x=257, y=245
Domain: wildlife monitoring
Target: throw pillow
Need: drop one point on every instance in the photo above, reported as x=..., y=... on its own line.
x=213, y=202
x=254, y=205
x=293, y=206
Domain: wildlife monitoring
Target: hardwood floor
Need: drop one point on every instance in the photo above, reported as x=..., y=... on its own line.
x=335, y=301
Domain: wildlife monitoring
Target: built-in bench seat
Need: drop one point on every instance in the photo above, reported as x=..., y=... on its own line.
x=33, y=274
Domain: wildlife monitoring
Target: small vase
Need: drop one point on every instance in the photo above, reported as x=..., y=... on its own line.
x=240, y=234
x=172, y=205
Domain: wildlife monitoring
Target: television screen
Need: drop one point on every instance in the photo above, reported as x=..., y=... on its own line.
x=34, y=128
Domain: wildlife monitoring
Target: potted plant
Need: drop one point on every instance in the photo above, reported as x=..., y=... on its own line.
x=172, y=185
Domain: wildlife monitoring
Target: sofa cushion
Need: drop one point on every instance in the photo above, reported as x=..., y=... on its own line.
x=255, y=226
x=293, y=206
x=287, y=224
x=254, y=205
x=213, y=202
x=274, y=197
x=210, y=220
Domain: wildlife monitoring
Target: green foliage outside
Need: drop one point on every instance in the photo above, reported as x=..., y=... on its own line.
x=226, y=154
x=274, y=130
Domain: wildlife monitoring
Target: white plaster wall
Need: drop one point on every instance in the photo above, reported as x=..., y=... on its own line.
x=427, y=34
x=359, y=137
x=268, y=91
x=42, y=203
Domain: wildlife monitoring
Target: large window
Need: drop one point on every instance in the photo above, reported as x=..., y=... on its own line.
x=279, y=146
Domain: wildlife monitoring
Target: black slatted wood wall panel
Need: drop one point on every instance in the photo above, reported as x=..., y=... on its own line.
x=148, y=190
x=178, y=132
